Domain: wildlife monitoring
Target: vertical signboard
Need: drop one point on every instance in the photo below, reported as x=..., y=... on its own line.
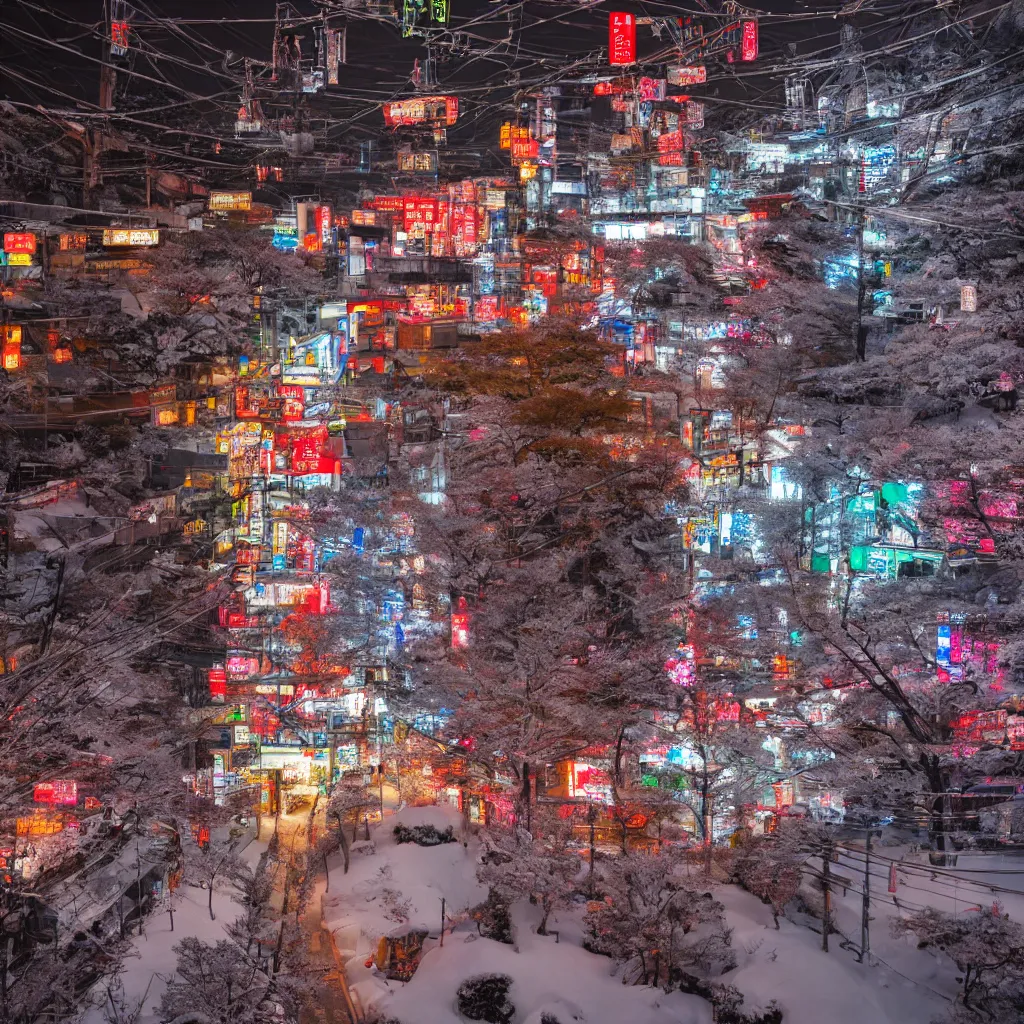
x=621, y=38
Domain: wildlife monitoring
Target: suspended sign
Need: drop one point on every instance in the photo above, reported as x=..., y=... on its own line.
x=417, y=163
x=11, y=334
x=131, y=236
x=615, y=87
x=119, y=38
x=621, y=38
x=696, y=75
x=63, y=792
x=73, y=242
x=670, y=149
x=389, y=204
x=748, y=44
x=230, y=200
x=324, y=221
x=525, y=149
x=460, y=629
x=420, y=214
x=505, y=135
x=968, y=299
x=19, y=241
x=648, y=90
x=435, y=109
x=218, y=685
x=694, y=114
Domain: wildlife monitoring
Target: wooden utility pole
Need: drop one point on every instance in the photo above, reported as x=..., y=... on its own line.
x=862, y=334
x=865, y=911
x=826, y=889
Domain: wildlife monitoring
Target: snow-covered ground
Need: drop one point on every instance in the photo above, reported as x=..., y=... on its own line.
x=150, y=960
x=899, y=985
x=558, y=977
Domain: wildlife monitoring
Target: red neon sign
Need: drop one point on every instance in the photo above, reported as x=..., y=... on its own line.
x=748, y=47
x=19, y=242
x=460, y=629
x=621, y=38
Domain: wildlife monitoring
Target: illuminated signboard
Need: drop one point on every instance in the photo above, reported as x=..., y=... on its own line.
x=696, y=75
x=131, y=236
x=230, y=200
x=218, y=685
x=11, y=334
x=19, y=242
x=505, y=135
x=417, y=163
x=365, y=218
x=63, y=792
x=389, y=204
x=968, y=298
x=649, y=90
x=748, y=46
x=324, y=223
x=525, y=149
x=73, y=242
x=19, y=259
x=460, y=629
x=621, y=38
x=434, y=109
x=615, y=87
x=420, y=213
x=119, y=32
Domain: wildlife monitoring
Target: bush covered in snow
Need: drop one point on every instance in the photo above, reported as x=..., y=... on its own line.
x=423, y=835
x=485, y=997
x=492, y=918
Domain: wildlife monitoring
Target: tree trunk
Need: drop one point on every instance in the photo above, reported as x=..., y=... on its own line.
x=209, y=901
x=344, y=848
x=618, y=757
x=938, y=816
x=526, y=797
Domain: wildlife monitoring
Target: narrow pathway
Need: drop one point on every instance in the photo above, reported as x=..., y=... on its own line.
x=337, y=1006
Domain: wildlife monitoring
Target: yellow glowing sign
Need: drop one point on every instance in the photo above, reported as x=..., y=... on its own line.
x=230, y=200
x=131, y=236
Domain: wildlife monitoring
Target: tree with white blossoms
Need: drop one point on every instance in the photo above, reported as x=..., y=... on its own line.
x=986, y=947
x=515, y=865
x=658, y=921
x=769, y=867
x=219, y=983
x=349, y=805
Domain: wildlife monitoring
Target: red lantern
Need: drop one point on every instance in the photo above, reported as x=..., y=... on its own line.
x=621, y=38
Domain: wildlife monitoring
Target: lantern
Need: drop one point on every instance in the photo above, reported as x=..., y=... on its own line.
x=12, y=346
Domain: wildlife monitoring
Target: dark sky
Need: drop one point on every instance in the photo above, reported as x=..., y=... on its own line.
x=179, y=76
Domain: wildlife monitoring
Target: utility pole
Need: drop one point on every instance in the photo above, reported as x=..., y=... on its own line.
x=865, y=912
x=826, y=889
x=862, y=334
